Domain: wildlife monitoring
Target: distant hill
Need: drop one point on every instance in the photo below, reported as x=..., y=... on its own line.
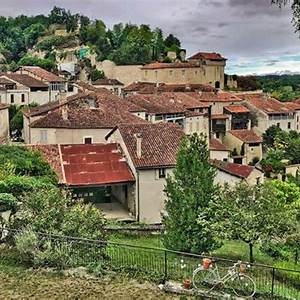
x=123, y=43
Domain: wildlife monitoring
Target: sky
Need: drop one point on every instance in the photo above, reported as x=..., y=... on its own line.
x=254, y=36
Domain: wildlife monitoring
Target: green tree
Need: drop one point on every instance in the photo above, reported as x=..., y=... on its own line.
x=252, y=214
x=270, y=135
x=190, y=190
x=96, y=74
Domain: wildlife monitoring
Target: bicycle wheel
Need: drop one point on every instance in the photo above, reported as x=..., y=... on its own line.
x=202, y=278
x=243, y=286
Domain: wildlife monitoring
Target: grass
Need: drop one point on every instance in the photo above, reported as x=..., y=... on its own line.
x=19, y=282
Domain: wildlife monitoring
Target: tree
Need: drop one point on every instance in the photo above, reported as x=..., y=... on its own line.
x=171, y=40
x=295, y=5
x=190, y=190
x=252, y=214
x=96, y=74
x=270, y=135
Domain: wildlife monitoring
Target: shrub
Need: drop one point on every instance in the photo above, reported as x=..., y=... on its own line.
x=26, y=243
x=7, y=202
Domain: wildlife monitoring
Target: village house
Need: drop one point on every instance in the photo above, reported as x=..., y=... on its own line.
x=150, y=150
x=231, y=174
x=113, y=85
x=55, y=83
x=218, y=151
x=245, y=146
x=180, y=108
x=4, y=123
x=269, y=111
x=21, y=89
x=82, y=118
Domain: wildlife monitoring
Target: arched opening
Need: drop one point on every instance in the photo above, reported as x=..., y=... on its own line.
x=217, y=84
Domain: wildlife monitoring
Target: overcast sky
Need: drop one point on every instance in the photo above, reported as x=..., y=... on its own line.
x=255, y=36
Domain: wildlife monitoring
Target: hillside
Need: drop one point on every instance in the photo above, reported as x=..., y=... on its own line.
x=24, y=37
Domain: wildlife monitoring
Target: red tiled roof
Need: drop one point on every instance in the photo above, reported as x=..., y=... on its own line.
x=216, y=145
x=175, y=65
x=107, y=82
x=219, y=96
x=160, y=143
x=42, y=73
x=207, y=55
x=186, y=88
x=236, y=109
x=96, y=164
x=241, y=171
x=267, y=104
x=86, y=87
x=25, y=80
x=247, y=136
x=219, y=117
x=292, y=105
x=51, y=154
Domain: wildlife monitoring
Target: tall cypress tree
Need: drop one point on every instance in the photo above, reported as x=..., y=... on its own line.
x=190, y=191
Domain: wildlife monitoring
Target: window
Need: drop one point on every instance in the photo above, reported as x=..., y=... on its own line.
x=278, y=125
x=162, y=173
x=23, y=98
x=258, y=180
x=183, y=72
x=297, y=118
x=289, y=125
x=171, y=72
x=43, y=136
x=12, y=98
x=254, y=144
x=88, y=140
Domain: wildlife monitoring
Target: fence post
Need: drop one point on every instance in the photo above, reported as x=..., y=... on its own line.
x=273, y=281
x=166, y=267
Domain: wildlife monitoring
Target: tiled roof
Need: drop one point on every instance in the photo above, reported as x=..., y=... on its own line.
x=25, y=80
x=236, y=109
x=219, y=117
x=267, y=104
x=207, y=55
x=175, y=65
x=96, y=164
x=42, y=73
x=107, y=82
x=241, y=171
x=292, y=105
x=86, y=87
x=51, y=154
x=5, y=81
x=219, y=96
x=186, y=88
x=247, y=136
x=159, y=145
x=138, y=86
x=215, y=144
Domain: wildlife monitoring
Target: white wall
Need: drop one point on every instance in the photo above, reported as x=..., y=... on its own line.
x=4, y=123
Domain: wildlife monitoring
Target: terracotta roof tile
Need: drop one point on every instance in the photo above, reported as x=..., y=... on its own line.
x=219, y=96
x=175, y=65
x=25, y=80
x=267, y=104
x=219, y=117
x=160, y=143
x=207, y=55
x=216, y=145
x=107, y=82
x=236, y=109
x=241, y=171
x=96, y=164
x=86, y=87
x=292, y=105
x=247, y=136
x=42, y=73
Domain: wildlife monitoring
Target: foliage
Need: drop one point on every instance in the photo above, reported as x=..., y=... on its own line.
x=7, y=202
x=45, y=63
x=96, y=74
x=252, y=214
x=248, y=83
x=270, y=135
x=188, y=219
x=26, y=162
x=53, y=41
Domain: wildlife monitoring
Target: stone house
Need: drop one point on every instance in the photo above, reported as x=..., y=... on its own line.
x=82, y=118
x=218, y=151
x=55, y=83
x=232, y=174
x=269, y=111
x=21, y=89
x=150, y=150
x=113, y=85
x=245, y=145
x=4, y=122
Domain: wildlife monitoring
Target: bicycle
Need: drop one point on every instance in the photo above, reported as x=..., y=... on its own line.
x=235, y=278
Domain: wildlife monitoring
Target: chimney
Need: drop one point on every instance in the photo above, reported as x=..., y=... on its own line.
x=62, y=96
x=138, y=137
x=64, y=112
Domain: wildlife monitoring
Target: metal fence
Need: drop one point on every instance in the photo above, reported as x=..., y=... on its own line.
x=162, y=264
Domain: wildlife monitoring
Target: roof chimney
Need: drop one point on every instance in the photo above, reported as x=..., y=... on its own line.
x=64, y=112
x=62, y=96
x=138, y=137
